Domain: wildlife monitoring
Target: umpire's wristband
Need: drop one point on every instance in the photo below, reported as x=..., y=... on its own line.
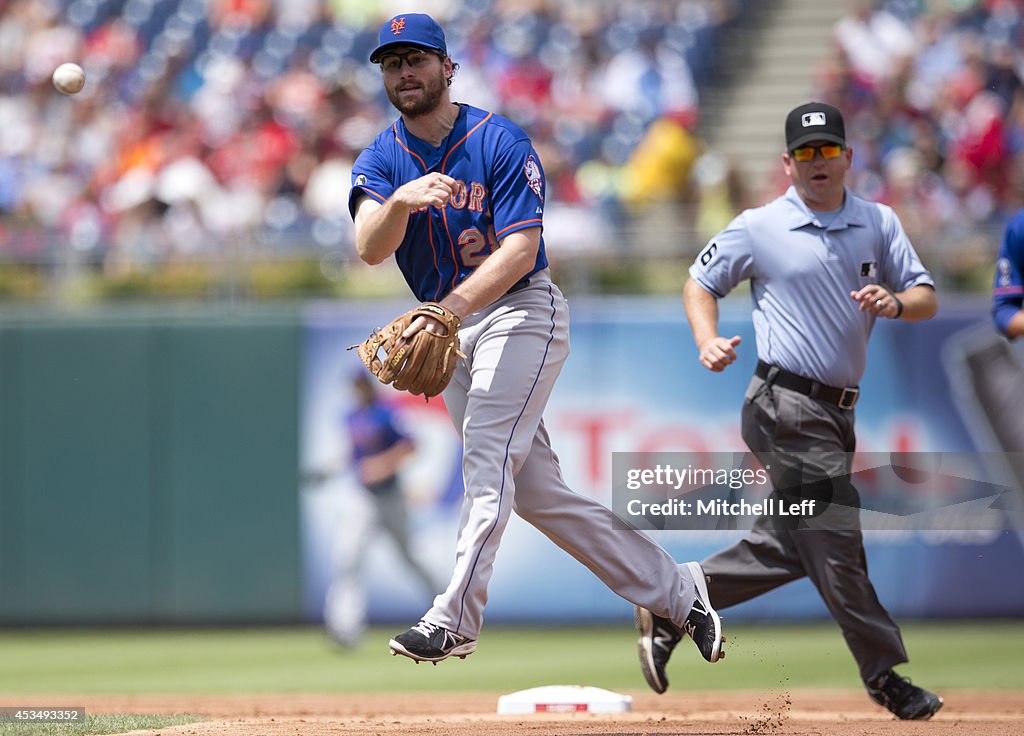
x=899, y=304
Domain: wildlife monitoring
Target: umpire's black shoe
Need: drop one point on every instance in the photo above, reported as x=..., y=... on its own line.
x=703, y=624
x=658, y=637
x=908, y=701
x=427, y=642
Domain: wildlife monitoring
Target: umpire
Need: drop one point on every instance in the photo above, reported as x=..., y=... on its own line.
x=823, y=265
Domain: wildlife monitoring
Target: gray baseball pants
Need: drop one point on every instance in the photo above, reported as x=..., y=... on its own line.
x=828, y=549
x=345, y=601
x=515, y=350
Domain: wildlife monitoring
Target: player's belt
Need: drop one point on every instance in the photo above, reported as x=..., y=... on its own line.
x=844, y=398
x=518, y=286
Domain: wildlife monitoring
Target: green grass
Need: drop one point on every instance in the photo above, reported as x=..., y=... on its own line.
x=95, y=724
x=983, y=654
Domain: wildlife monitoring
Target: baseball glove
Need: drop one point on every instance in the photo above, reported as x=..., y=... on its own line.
x=422, y=364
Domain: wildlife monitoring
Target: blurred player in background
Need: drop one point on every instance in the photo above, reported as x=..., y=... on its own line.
x=442, y=189
x=994, y=366
x=379, y=450
x=1008, y=289
x=823, y=266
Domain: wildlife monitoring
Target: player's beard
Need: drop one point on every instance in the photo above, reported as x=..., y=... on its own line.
x=432, y=92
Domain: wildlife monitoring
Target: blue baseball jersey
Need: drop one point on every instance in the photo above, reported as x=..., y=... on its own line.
x=372, y=430
x=1008, y=288
x=500, y=190
x=801, y=274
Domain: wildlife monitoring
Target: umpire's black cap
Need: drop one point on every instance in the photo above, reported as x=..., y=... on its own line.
x=814, y=121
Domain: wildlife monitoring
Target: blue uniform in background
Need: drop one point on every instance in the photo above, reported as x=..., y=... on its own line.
x=372, y=430
x=500, y=191
x=1008, y=288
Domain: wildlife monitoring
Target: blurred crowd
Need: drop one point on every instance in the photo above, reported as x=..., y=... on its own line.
x=934, y=100
x=220, y=129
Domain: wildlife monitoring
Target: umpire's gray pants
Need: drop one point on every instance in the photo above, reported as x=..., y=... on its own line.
x=828, y=549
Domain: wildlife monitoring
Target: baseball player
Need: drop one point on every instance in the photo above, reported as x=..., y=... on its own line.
x=823, y=266
x=1008, y=289
x=379, y=449
x=457, y=195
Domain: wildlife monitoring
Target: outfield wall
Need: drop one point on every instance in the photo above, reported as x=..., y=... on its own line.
x=148, y=467
x=151, y=464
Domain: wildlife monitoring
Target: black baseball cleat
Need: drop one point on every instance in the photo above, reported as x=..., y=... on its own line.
x=703, y=624
x=427, y=642
x=905, y=699
x=658, y=637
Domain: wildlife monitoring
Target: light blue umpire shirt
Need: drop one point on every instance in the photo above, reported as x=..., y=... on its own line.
x=801, y=275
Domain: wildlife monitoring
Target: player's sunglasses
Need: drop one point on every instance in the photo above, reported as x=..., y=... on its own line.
x=829, y=151
x=392, y=61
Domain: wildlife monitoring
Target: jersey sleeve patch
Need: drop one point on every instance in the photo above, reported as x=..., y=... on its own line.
x=1004, y=273
x=534, y=178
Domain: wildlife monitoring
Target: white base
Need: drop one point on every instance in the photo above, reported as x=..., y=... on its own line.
x=564, y=699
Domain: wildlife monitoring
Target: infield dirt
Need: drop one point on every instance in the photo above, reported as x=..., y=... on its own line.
x=745, y=713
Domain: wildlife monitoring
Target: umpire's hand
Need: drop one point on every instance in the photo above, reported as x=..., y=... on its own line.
x=719, y=352
x=877, y=300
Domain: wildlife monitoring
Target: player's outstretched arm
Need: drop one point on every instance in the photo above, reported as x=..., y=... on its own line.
x=715, y=352
x=380, y=228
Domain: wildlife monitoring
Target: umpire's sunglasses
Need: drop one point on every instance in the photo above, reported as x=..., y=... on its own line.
x=829, y=151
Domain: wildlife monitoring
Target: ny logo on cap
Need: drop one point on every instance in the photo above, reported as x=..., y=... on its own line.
x=397, y=25
x=813, y=118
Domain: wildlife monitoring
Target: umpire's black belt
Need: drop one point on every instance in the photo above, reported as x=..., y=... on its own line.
x=844, y=398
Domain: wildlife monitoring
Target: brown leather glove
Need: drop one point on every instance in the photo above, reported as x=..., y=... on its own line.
x=423, y=364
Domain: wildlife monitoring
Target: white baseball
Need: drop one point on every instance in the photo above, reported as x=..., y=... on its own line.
x=69, y=78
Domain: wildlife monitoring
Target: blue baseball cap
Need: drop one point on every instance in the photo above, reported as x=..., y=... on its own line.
x=409, y=29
